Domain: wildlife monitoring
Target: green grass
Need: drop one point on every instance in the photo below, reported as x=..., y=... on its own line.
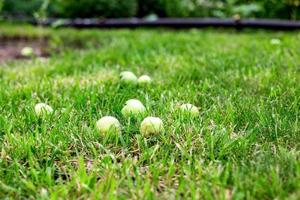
x=244, y=145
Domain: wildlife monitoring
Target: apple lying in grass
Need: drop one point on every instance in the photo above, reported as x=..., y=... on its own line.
x=108, y=124
x=189, y=109
x=275, y=41
x=133, y=108
x=128, y=78
x=151, y=126
x=42, y=109
x=27, y=52
x=144, y=80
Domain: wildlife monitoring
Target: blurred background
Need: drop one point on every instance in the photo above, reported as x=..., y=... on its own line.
x=283, y=9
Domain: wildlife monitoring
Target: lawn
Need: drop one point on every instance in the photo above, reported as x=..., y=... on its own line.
x=245, y=143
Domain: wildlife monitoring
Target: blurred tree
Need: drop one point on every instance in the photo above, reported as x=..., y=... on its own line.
x=179, y=8
x=41, y=13
x=151, y=7
x=97, y=8
x=288, y=9
x=1, y=6
x=21, y=8
x=295, y=8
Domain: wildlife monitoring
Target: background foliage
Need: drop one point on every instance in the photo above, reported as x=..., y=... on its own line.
x=288, y=9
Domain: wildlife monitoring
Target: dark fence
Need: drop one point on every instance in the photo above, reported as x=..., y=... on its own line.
x=174, y=23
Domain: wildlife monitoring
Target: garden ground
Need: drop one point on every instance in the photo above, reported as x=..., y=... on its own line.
x=244, y=144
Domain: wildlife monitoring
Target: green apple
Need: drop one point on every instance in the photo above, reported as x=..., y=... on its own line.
x=108, y=124
x=42, y=109
x=151, y=126
x=133, y=108
x=189, y=109
x=275, y=41
x=27, y=52
x=128, y=78
x=144, y=80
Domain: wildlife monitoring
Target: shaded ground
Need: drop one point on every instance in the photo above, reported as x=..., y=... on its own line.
x=10, y=48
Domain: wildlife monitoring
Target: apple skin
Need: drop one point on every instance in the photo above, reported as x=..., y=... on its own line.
x=42, y=109
x=108, y=124
x=128, y=78
x=144, y=80
x=151, y=126
x=133, y=108
x=189, y=109
x=275, y=41
x=27, y=52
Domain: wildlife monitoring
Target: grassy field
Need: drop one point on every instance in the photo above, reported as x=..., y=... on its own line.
x=244, y=145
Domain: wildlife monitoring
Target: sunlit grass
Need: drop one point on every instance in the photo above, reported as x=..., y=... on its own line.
x=244, y=143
